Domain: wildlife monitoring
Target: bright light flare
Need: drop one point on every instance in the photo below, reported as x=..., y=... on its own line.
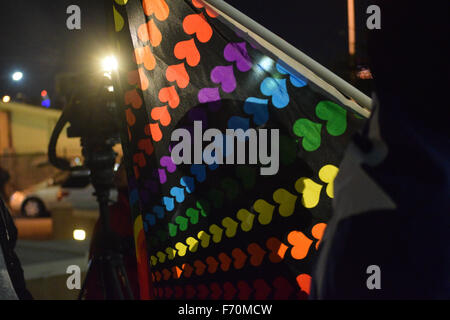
x=109, y=64
x=17, y=76
x=79, y=234
x=6, y=99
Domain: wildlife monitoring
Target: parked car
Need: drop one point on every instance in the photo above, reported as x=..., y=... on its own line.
x=73, y=188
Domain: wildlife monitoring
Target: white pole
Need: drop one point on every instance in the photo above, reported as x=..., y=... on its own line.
x=293, y=52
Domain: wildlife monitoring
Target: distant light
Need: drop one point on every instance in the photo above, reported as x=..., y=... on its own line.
x=77, y=161
x=6, y=99
x=110, y=88
x=109, y=64
x=364, y=74
x=43, y=93
x=116, y=166
x=46, y=103
x=79, y=234
x=17, y=76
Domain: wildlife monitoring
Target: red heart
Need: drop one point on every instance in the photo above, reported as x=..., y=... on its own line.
x=139, y=159
x=202, y=291
x=168, y=292
x=158, y=276
x=304, y=282
x=161, y=114
x=146, y=145
x=132, y=97
x=131, y=119
x=283, y=288
x=277, y=249
x=138, y=77
x=178, y=292
x=161, y=292
x=200, y=267
x=262, y=290
x=154, y=131
x=212, y=264
x=225, y=261
x=187, y=50
x=178, y=73
x=170, y=95
x=301, y=244
x=229, y=291
x=136, y=172
x=196, y=23
x=216, y=291
x=256, y=254
x=166, y=274
x=244, y=290
x=239, y=258
x=187, y=270
x=149, y=31
x=190, y=291
x=157, y=7
x=198, y=3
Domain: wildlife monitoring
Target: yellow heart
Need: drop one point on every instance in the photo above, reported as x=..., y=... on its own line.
x=192, y=243
x=118, y=20
x=246, y=218
x=161, y=256
x=153, y=260
x=230, y=227
x=265, y=211
x=216, y=232
x=181, y=247
x=121, y=2
x=204, y=238
x=286, y=200
x=327, y=174
x=171, y=253
x=310, y=191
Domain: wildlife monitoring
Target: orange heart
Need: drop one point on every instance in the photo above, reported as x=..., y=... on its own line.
x=198, y=4
x=157, y=7
x=146, y=145
x=178, y=73
x=196, y=23
x=144, y=55
x=132, y=97
x=301, y=244
x=149, y=31
x=154, y=131
x=304, y=282
x=317, y=232
x=170, y=95
x=129, y=134
x=139, y=159
x=138, y=77
x=161, y=114
x=131, y=119
x=187, y=50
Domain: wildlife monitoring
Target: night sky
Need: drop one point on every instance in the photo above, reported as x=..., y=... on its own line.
x=35, y=39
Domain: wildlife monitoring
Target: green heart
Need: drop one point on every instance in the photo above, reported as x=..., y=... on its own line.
x=310, y=131
x=231, y=187
x=288, y=150
x=172, y=230
x=216, y=196
x=247, y=176
x=193, y=215
x=335, y=115
x=182, y=222
x=204, y=207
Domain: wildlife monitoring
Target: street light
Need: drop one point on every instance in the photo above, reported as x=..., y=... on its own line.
x=17, y=76
x=6, y=99
x=109, y=64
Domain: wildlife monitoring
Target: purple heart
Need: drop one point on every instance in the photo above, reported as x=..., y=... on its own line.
x=210, y=96
x=162, y=176
x=167, y=162
x=225, y=76
x=238, y=52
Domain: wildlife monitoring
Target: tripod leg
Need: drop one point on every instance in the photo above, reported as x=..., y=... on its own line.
x=126, y=283
x=83, y=287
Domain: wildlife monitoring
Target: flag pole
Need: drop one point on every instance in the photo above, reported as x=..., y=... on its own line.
x=339, y=83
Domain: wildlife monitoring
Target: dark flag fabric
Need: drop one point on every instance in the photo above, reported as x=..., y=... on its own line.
x=205, y=228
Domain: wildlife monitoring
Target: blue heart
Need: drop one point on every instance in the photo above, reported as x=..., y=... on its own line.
x=277, y=89
x=297, y=79
x=189, y=183
x=178, y=193
x=199, y=171
x=258, y=108
x=145, y=226
x=169, y=203
x=159, y=211
x=213, y=166
x=236, y=122
x=134, y=196
x=150, y=218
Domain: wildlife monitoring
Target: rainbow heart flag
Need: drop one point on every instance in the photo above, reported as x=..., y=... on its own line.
x=210, y=228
